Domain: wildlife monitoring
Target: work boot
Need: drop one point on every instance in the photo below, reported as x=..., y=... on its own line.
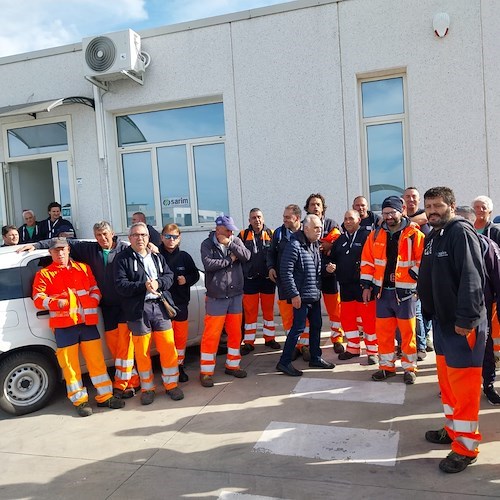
x=175, y=394
x=272, y=344
x=380, y=375
x=206, y=380
x=239, y=373
x=183, y=376
x=409, y=377
x=438, y=437
x=84, y=410
x=147, y=397
x=113, y=402
x=126, y=394
x=338, y=347
x=306, y=354
x=246, y=349
x=455, y=462
x=347, y=355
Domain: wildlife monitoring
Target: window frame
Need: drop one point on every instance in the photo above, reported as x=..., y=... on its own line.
x=383, y=120
x=190, y=144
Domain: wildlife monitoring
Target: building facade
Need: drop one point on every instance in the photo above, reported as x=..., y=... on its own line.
x=259, y=108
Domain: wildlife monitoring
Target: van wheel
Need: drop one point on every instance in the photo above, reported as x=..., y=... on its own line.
x=27, y=382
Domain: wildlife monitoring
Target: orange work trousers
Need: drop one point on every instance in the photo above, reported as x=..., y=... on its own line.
x=251, y=309
x=121, y=347
x=350, y=312
x=332, y=305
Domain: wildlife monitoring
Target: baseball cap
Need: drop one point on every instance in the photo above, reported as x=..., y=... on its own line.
x=58, y=243
x=226, y=221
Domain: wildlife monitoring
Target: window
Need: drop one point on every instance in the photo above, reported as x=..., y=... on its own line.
x=37, y=139
x=173, y=164
x=384, y=131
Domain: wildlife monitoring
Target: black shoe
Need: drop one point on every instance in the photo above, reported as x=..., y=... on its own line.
x=147, y=397
x=338, y=347
x=84, y=410
x=492, y=395
x=206, y=380
x=183, y=376
x=289, y=370
x=239, y=373
x=438, y=437
x=246, y=349
x=347, y=355
x=372, y=359
x=306, y=354
x=409, y=377
x=380, y=375
x=321, y=363
x=126, y=394
x=272, y=344
x=113, y=402
x=296, y=353
x=455, y=462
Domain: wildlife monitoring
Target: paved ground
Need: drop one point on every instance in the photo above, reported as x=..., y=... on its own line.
x=330, y=434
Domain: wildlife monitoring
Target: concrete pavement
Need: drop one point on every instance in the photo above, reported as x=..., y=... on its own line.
x=329, y=434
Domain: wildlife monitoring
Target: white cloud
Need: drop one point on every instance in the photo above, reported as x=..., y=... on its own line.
x=37, y=24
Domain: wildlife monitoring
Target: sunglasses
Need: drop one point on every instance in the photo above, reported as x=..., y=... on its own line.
x=171, y=236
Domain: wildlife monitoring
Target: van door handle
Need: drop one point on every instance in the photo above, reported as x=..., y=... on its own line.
x=39, y=314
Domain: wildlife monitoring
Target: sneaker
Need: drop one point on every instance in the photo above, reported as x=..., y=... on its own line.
x=206, y=380
x=338, y=347
x=84, y=410
x=147, y=397
x=438, y=437
x=347, y=355
x=372, y=359
x=175, y=394
x=492, y=395
x=183, y=376
x=421, y=355
x=306, y=354
x=273, y=344
x=246, y=349
x=455, y=462
x=239, y=373
x=380, y=375
x=113, y=402
x=409, y=377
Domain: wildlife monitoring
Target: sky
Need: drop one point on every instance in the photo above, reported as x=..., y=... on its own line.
x=29, y=25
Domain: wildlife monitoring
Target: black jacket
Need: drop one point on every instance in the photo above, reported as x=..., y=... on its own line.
x=24, y=236
x=130, y=281
x=50, y=229
x=300, y=269
x=181, y=264
x=452, y=275
x=346, y=254
x=492, y=231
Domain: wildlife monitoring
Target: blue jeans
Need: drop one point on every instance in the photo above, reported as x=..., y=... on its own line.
x=312, y=312
x=422, y=327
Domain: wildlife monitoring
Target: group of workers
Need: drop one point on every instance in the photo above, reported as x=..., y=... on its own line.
x=385, y=279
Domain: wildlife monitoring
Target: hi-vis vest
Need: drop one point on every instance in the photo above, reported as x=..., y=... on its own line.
x=77, y=285
x=374, y=258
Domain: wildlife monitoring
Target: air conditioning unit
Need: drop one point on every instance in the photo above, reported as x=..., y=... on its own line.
x=113, y=56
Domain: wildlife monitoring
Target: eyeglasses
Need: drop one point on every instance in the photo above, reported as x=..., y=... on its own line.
x=171, y=236
x=389, y=214
x=139, y=235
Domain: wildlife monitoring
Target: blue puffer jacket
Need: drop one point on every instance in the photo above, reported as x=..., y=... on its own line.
x=300, y=269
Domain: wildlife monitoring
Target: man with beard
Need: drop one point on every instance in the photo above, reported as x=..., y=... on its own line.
x=451, y=287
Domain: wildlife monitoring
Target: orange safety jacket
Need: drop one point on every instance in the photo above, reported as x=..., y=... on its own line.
x=374, y=259
x=77, y=285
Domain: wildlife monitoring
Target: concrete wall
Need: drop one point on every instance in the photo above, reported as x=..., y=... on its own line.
x=288, y=78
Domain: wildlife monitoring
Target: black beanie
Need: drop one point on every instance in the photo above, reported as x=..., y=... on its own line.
x=393, y=202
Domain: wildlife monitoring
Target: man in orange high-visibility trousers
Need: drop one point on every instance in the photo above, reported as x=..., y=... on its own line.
x=143, y=279
x=222, y=256
x=258, y=287
x=389, y=270
x=68, y=290
x=451, y=288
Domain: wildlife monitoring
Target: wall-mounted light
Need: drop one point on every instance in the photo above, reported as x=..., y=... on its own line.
x=441, y=24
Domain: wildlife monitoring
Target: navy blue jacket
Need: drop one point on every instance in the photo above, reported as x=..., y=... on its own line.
x=181, y=264
x=130, y=281
x=300, y=269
